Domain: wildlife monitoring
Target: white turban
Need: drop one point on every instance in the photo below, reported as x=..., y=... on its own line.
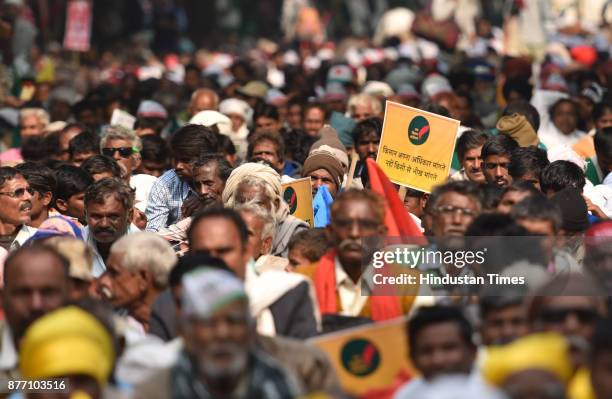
x=238, y=107
x=269, y=178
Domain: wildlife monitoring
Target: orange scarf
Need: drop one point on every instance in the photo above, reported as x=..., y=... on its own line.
x=383, y=307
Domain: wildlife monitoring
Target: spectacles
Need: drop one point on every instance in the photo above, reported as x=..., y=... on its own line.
x=584, y=316
x=124, y=152
x=19, y=193
x=451, y=210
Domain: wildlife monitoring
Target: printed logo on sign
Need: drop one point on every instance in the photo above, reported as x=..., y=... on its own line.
x=418, y=130
x=360, y=357
x=290, y=197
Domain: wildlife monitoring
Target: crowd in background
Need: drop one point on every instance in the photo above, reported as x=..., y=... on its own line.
x=148, y=250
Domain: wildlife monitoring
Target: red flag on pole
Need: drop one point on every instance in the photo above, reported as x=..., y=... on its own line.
x=397, y=220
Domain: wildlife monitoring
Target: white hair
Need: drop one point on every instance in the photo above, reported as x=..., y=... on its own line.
x=365, y=100
x=39, y=113
x=121, y=133
x=269, y=224
x=146, y=251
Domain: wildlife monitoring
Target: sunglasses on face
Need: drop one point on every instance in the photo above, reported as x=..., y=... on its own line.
x=584, y=316
x=124, y=152
x=19, y=193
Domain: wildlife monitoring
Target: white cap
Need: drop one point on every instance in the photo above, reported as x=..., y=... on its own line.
x=211, y=118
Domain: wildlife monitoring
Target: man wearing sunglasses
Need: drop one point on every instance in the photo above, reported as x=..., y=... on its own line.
x=15, y=209
x=124, y=147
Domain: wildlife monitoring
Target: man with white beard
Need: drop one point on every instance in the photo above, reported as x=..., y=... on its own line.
x=219, y=359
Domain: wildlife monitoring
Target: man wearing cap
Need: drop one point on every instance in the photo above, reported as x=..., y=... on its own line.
x=219, y=357
x=151, y=116
x=240, y=113
x=254, y=92
x=323, y=170
x=71, y=346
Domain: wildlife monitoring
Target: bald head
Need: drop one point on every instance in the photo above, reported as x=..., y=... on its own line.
x=202, y=100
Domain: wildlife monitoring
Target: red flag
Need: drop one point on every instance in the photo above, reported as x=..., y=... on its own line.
x=397, y=220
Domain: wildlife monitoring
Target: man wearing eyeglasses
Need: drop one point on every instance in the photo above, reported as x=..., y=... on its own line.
x=451, y=208
x=15, y=209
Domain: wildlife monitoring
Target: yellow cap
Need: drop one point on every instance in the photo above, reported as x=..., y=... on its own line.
x=543, y=351
x=65, y=342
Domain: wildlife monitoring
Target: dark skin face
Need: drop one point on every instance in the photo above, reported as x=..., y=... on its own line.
x=121, y=287
x=35, y=284
x=221, y=239
x=74, y=206
x=206, y=181
x=15, y=210
x=183, y=167
x=496, y=170
x=453, y=214
x=64, y=141
x=472, y=164
x=269, y=151
x=108, y=220
x=504, y=325
x=565, y=117
x=530, y=177
x=314, y=119
x=415, y=205
x=440, y=349
x=353, y=222
x=322, y=177
x=219, y=342
x=294, y=116
x=367, y=145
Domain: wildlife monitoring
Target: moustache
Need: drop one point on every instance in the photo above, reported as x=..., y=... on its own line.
x=350, y=244
x=25, y=206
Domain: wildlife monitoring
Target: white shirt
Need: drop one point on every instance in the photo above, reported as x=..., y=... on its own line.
x=25, y=232
x=98, y=263
x=351, y=300
x=8, y=355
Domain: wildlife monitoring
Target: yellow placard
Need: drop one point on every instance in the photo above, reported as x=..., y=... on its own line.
x=298, y=195
x=368, y=357
x=416, y=147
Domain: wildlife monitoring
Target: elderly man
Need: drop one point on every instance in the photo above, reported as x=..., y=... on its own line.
x=260, y=225
x=324, y=170
x=281, y=302
x=15, y=209
x=136, y=272
x=219, y=357
x=35, y=283
x=262, y=184
x=203, y=100
x=169, y=191
x=42, y=180
x=364, y=106
x=337, y=277
x=108, y=209
x=123, y=146
x=32, y=122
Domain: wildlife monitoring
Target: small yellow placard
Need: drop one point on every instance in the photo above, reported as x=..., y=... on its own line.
x=416, y=147
x=368, y=357
x=298, y=195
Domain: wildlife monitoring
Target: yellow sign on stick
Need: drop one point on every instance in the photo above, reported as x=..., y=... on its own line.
x=298, y=195
x=369, y=357
x=416, y=147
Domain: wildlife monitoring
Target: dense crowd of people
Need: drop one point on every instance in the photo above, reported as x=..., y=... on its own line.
x=148, y=250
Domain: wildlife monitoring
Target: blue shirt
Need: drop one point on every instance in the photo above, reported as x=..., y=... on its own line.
x=165, y=201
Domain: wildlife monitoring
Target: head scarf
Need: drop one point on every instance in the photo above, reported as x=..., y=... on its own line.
x=269, y=177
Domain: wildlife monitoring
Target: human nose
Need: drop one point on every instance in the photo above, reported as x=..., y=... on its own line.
x=36, y=301
x=477, y=163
